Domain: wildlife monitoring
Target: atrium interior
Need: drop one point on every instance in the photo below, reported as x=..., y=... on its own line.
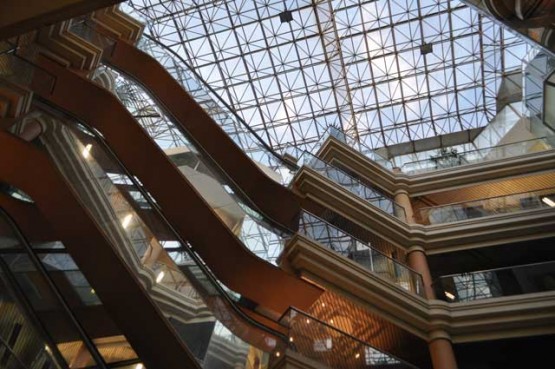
x=277, y=184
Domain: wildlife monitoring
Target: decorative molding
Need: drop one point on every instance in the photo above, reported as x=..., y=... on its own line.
x=335, y=151
x=435, y=239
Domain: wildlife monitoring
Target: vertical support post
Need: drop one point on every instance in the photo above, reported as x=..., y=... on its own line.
x=441, y=350
x=416, y=259
x=439, y=344
x=402, y=198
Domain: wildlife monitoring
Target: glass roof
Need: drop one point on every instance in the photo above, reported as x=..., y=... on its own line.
x=385, y=72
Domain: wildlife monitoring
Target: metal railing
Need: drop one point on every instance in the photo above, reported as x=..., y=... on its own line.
x=354, y=185
x=320, y=341
x=455, y=159
x=360, y=252
x=357, y=145
x=509, y=281
x=442, y=162
x=465, y=210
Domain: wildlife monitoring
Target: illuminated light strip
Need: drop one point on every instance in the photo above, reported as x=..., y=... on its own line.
x=548, y=201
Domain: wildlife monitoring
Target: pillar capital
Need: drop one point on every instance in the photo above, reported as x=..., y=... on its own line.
x=438, y=334
x=401, y=191
x=416, y=248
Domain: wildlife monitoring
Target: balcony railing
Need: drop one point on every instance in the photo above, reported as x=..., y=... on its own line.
x=455, y=159
x=320, y=341
x=456, y=212
x=452, y=159
x=517, y=280
x=360, y=252
x=360, y=147
x=354, y=185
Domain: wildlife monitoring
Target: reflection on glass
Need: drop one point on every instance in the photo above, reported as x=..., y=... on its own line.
x=508, y=281
x=361, y=253
x=59, y=284
x=249, y=225
x=21, y=346
x=449, y=159
x=65, y=273
x=372, y=195
x=355, y=144
x=320, y=341
x=180, y=287
x=48, y=309
x=487, y=207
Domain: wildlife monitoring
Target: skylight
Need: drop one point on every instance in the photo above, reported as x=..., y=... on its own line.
x=385, y=72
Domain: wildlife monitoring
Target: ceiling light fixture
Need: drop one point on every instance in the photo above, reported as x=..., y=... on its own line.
x=426, y=48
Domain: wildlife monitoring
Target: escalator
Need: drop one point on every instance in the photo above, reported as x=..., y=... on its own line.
x=183, y=206
x=97, y=177
x=225, y=345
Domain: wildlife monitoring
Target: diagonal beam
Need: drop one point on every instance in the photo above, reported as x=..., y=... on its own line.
x=336, y=65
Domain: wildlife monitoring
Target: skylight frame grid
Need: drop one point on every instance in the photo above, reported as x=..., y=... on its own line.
x=323, y=56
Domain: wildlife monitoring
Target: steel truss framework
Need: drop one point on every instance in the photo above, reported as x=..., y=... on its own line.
x=353, y=64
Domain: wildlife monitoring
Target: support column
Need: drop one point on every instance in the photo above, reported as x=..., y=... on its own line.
x=439, y=344
x=441, y=350
x=416, y=259
x=402, y=198
x=31, y=130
